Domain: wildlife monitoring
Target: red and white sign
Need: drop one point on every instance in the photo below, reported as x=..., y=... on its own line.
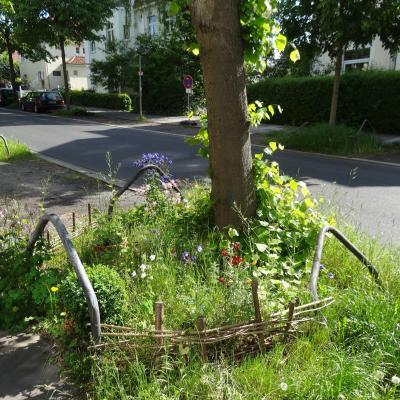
x=188, y=82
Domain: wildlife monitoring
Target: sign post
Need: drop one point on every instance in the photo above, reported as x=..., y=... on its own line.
x=188, y=85
x=140, y=73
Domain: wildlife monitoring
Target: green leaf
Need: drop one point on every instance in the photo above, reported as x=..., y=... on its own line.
x=174, y=8
x=233, y=232
x=271, y=110
x=261, y=247
x=295, y=55
x=280, y=42
x=273, y=146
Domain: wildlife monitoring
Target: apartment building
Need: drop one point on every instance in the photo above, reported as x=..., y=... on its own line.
x=46, y=75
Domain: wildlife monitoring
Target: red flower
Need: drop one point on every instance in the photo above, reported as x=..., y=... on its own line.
x=224, y=253
x=236, y=246
x=236, y=260
x=222, y=279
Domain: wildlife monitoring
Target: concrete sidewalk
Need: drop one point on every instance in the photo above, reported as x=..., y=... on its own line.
x=26, y=371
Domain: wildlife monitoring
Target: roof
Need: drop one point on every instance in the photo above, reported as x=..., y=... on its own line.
x=76, y=60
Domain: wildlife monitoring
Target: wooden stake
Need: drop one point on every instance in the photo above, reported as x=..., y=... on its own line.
x=159, y=318
x=73, y=222
x=291, y=307
x=89, y=206
x=257, y=311
x=201, y=327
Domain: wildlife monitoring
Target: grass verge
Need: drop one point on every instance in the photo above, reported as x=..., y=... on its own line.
x=340, y=140
x=18, y=151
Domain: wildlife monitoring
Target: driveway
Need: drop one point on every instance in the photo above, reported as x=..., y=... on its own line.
x=364, y=193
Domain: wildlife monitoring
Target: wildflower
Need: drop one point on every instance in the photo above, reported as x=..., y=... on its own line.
x=54, y=289
x=143, y=267
x=321, y=266
x=152, y=257
x=222, y=279
x=143, y=275
x=236, y=260
x=152, y=158
x=133, y=274
x=236, y=246
x=330, y=275
x=284, y=386
x=395, y=380
x=224, y=253
x=199, y=248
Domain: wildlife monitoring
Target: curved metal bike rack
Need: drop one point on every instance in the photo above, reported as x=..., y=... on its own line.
x=5, y=145
x=130, y=182
x=84, y=281
x=346, y=243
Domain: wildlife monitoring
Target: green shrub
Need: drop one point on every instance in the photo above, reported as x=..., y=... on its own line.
x=373, y=95
x=18, y=151
x=114, y=101
x=110, y=290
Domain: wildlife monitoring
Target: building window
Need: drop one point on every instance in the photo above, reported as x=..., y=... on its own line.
x=169, y=24
x=83, y=50
x=356, y=59
x=92, y=46
x=152, y=25
x=77, y=50
x=75, y=73
x=109, y=36
x=127, y=32
x=56, y=73
x=39, y=75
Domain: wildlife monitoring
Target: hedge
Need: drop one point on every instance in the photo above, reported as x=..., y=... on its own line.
x=373, y=95
x=114, y=101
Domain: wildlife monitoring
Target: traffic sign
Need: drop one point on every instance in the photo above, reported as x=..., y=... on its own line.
x=189, y=91
x=188, y=82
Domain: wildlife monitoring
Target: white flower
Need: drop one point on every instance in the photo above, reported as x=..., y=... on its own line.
x=152, y=257
x=143, y=275
x=199, y=248
x=341, y=397
x=395, y=380
x=284, y=386
x=143, y=267
x=379, y=374
x=133, y=274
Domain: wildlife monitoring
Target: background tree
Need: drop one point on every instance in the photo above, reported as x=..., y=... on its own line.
x=17, y=35
x=334, y=25
x=69, y=21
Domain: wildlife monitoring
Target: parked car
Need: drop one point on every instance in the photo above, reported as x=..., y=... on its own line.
x=6, y=96
x=42, y=101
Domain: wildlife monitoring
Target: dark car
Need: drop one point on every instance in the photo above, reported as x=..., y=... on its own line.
x=42, y=101
x=6, y=96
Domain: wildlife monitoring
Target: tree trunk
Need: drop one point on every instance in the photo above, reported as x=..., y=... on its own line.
x=10, y=52
x=218, y=32
x=65, y=73
x=336, y=85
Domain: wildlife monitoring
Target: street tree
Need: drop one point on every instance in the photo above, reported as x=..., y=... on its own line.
x=230, y=33
x=332, y=26
x=18, y=36
x=70, y=21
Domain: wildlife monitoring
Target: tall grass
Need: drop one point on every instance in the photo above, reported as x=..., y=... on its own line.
x=18, y=151
x=321, y=138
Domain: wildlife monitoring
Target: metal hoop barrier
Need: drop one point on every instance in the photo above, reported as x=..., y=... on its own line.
x=83, y=279
x=130, y=182
x=5, y=145
x=346, y=243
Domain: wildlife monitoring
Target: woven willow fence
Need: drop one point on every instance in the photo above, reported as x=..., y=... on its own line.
x=238, y=340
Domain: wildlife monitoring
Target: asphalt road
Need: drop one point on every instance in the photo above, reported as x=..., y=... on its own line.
x=366, y=194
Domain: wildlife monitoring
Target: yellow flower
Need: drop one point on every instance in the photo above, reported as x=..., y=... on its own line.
x=54, y=289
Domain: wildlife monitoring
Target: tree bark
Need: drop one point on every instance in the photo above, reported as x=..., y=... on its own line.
x=10, y=51
x=65, y=73
x=218, y=31
x=336, y=85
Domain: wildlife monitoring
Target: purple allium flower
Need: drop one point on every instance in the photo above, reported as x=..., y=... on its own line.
x=187, y=258
x=152, y=158
x=330, y=275
x=321, y=266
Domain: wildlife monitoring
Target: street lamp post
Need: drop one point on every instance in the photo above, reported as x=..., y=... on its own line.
x=140, y=87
